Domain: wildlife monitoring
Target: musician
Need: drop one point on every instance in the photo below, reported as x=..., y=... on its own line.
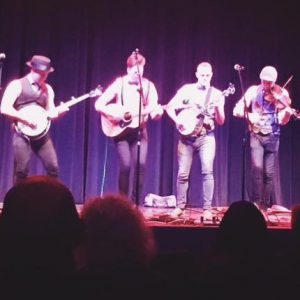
x=33, y=90
x=119, y=108
x=266, y=109
x=203, y=105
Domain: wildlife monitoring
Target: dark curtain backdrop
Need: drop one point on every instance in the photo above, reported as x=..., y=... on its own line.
x=89, y=42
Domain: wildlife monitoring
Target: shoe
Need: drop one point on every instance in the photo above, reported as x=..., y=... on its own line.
x=256, y=204
x=261, y=206
x=207, y=215
x=177, y=212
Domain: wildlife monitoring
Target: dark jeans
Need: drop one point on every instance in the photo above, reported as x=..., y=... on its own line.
x=264, y=150
x=127, y=147
x=43, y=148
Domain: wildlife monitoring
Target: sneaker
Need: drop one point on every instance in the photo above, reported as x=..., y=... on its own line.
x=261, y=206
x=207, y=215
x=177, y=212
x=256, y=204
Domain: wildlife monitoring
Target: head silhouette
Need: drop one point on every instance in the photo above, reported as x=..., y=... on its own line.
x=39, y=224
x=115, y=232
x=243, y=228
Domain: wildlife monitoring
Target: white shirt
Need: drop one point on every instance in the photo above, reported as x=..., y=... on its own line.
x=13, y=91
x=192, y=95
x=127, y=96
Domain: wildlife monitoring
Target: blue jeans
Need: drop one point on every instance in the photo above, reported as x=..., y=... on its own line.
x=127, y=147
x=264, y=150
x=205, y=147
x=43, y=148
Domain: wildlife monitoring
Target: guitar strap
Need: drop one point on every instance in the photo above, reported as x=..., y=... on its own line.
x=200, y=127
x=122, y=89
x=145, y=99
x=207, y=99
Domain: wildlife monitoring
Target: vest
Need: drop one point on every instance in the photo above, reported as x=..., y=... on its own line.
x=268, y=122
x=29, y=95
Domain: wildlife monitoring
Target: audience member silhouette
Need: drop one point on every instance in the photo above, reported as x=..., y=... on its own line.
x=295, y=222
x=294, y=247
x=117, y=250
x=292, y=256
x=240, y=264
x=39, y=230
x=242, y=229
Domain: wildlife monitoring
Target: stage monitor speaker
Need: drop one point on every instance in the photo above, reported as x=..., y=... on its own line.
x=152, y=200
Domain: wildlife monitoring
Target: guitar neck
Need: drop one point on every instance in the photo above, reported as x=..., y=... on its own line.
x=74, y=101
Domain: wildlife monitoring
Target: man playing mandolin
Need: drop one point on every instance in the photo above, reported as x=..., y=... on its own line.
x=119, y=106
x=22, y=100
x=195, y=108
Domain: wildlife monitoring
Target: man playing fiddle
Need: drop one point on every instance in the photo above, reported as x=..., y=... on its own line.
x=266, y=107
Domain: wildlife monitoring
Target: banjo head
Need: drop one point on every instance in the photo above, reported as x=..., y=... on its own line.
x=39, y=115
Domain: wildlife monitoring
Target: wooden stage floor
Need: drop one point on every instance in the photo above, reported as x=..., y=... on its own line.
x=189, y=234
x=276, y=217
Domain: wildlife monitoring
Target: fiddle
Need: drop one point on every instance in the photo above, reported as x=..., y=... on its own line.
x=275, y=95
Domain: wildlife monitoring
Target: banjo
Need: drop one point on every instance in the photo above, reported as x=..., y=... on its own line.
x=42, y=121
x=190, y=120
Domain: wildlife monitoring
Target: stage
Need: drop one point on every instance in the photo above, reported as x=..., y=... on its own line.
x=277, y=217
x=190, y=234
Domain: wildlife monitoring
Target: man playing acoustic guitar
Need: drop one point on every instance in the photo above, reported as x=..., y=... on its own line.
x=195, y=108
x=33, y=92
x=119, y=106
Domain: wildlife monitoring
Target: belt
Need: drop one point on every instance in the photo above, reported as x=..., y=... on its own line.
x=266, y=134
x=203, y=131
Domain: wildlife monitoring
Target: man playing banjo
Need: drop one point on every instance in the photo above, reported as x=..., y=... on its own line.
x=24, y=101
x=191, y=100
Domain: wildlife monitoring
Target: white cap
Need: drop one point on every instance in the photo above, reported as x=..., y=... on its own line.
x=268, y=73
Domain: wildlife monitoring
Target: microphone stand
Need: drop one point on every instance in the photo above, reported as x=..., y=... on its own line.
x=245, y=133
x=1, y=66
x=141, y=92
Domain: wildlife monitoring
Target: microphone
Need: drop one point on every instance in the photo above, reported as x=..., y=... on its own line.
x=135, y=52
x=2, y=56
x=238, y=67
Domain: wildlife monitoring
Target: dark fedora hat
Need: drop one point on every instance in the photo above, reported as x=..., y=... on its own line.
x=40, y=63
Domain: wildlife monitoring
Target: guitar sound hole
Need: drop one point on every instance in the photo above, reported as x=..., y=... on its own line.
x=126, y=120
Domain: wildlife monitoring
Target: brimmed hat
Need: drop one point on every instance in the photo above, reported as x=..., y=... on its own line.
x=40, y=63
x=134, y=59
x=268, y=73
